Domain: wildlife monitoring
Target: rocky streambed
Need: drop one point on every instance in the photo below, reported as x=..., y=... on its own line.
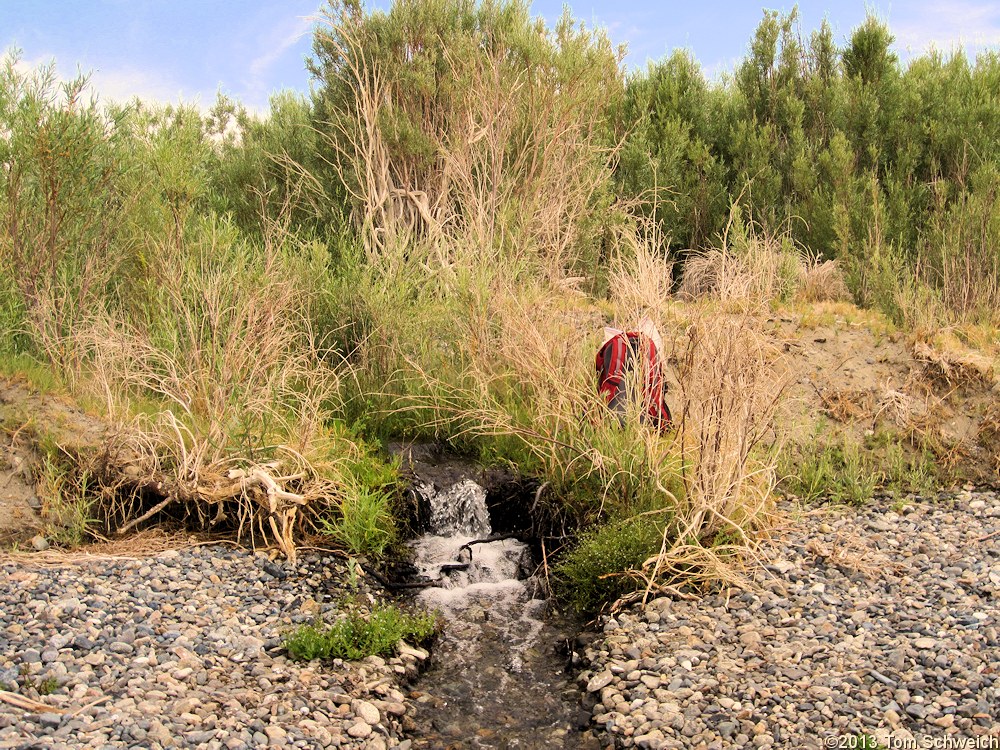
x=184, y=650
x=876, y=621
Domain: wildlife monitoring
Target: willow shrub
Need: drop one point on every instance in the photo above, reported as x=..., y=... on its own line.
x=468, y=136
x=60, y=205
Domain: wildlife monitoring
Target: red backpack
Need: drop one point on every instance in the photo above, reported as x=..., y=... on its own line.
x=616, y=360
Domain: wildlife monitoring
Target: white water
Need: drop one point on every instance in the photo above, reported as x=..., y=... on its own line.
x=489, y=581
x=494, y=681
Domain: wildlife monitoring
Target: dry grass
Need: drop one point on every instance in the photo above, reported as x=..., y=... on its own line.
x=641, y=278
x=849, y=551
x=730, y=382
x=822, y=281
x=842, y=313
x=229, y=353
x=988, y=435
x=953, y=366
x=848, y=405
x=142, y=544
x=756, y=272
x=753, y=267
x=528, y=374
x=898, y=408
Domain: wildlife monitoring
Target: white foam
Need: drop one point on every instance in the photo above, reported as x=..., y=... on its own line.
x=460, y=509
x=486, y=583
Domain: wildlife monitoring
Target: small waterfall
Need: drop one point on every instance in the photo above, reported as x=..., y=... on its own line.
x=453, y=552
x=494, y=681
x=460, y=509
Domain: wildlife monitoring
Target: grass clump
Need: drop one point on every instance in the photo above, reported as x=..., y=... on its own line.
x=845, y=470
x=356, y=636
x=365, y=524
x=362, y=517
x=837, y=472
x=68, y=512
x=591, y=574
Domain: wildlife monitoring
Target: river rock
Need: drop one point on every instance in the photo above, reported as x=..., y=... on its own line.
x=858, y=622
x=599, y=681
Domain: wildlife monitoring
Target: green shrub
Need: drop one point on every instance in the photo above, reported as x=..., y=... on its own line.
x=591, y=574
x=356, y=636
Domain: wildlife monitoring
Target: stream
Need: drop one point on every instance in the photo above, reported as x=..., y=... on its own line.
x=496, y=679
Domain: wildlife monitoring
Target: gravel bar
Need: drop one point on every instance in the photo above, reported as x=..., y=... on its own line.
x=879, y=621
x=184, y=650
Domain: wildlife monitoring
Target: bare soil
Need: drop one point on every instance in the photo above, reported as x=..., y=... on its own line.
x=32, y=422
x=859, y=378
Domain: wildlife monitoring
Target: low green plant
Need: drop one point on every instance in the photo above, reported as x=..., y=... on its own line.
x=364, y=524
x=353, y=574
x=838, y=472
x=844, y=470
x=903, y=470
x=44, y=686
x=356, y=636
x=591, y=574
x=68, y=506
x=22, y=365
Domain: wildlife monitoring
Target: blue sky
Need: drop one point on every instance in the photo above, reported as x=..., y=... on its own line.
x=188, y=49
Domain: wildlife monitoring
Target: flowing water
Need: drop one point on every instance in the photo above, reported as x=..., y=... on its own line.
x=496, y=680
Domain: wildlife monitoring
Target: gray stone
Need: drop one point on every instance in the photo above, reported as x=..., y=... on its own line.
x=31, y=656
x=50, y=720
x=600, y=680
x=916, y=710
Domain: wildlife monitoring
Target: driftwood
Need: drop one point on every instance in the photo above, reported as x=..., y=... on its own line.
x=27, y=704
x=395, y=585
x=487, y=540
x=279, y=505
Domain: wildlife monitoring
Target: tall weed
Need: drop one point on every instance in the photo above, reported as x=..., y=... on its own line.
x=224, y=344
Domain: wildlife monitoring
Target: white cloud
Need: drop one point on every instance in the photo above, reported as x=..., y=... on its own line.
x=123, y=84
x=947, y=26
x=717, y=70
x=277, y=45
x=258, y=84
x=126, y=83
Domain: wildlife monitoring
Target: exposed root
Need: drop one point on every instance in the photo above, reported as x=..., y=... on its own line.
x=271, y=500
x=847, y=405
x=951, y=368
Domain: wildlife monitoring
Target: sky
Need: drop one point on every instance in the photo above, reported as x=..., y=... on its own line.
x=173, y=50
